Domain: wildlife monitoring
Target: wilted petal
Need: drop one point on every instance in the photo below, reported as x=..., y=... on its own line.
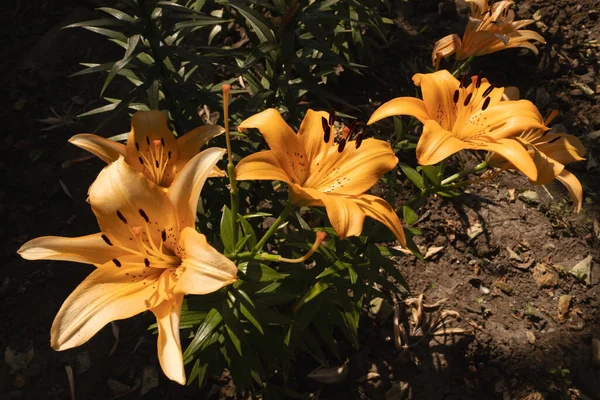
x=169, y=345
x=105, y=149
x=204, y=269
x=444, y=48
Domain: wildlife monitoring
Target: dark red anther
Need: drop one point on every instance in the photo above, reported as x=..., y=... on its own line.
x=121, y=217
x=331, y=117
x=352, y=129
x=326, y=129
x=359, y=139
x=144, y=215
x=463, y=80
x=455, y=97
x=468, y=99
x=486, y=103
x=341, y=145
x=488, y=91
x=479, y=78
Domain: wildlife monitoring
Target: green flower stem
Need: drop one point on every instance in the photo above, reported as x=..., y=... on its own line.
x=457, y=68
x=464, y=173
x=280, y=220
x=248, y=256
x=233, y=192
x=234, y=197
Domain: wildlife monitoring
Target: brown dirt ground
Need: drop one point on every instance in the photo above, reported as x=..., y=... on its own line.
x=520, y=345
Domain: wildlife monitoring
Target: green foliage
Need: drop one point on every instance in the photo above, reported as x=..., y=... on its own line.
x=177, y=56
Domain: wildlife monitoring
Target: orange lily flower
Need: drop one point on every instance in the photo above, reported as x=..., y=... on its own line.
x=148, y=255
x=458, y=116
x=321, y=173
x=490, y=28
x=151, y=147
x=550, y=152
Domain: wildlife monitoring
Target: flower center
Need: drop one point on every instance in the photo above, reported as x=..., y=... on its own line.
x=154, y=158
x=469, y=101
x=150, y=251
x=347, y=132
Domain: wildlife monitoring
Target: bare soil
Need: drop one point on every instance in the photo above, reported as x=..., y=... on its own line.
x=522, y=348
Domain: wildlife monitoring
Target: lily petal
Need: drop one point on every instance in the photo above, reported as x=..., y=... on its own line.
x=438, y=89
x=168, y=343
x=205, y=270
x=286, y=145
x=311, y=133
x=345, y=216
x=401, y=106
x=152, y=147
x=443, y=48
x=437, y=144
x=380, y=210
x=353, y=171
x=573, y=186
x=107, y=294
x=146, y=127
x=185, y=189
x=516, y=154
x=91, y=249
x=105, y=149
x=192, y=142
x=502, y=120
x=547, y=168
x=263, y=165
x=123, y=198
x=562, y=147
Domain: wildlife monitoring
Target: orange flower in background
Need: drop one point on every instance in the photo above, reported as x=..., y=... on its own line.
x=148, y=256
x=321, y=173
x=550, y=152
x=491, y=27
x=458, y=116
x=151, y=147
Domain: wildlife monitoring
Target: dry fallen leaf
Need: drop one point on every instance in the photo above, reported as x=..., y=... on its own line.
x=511, y=195
x=433, y=251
